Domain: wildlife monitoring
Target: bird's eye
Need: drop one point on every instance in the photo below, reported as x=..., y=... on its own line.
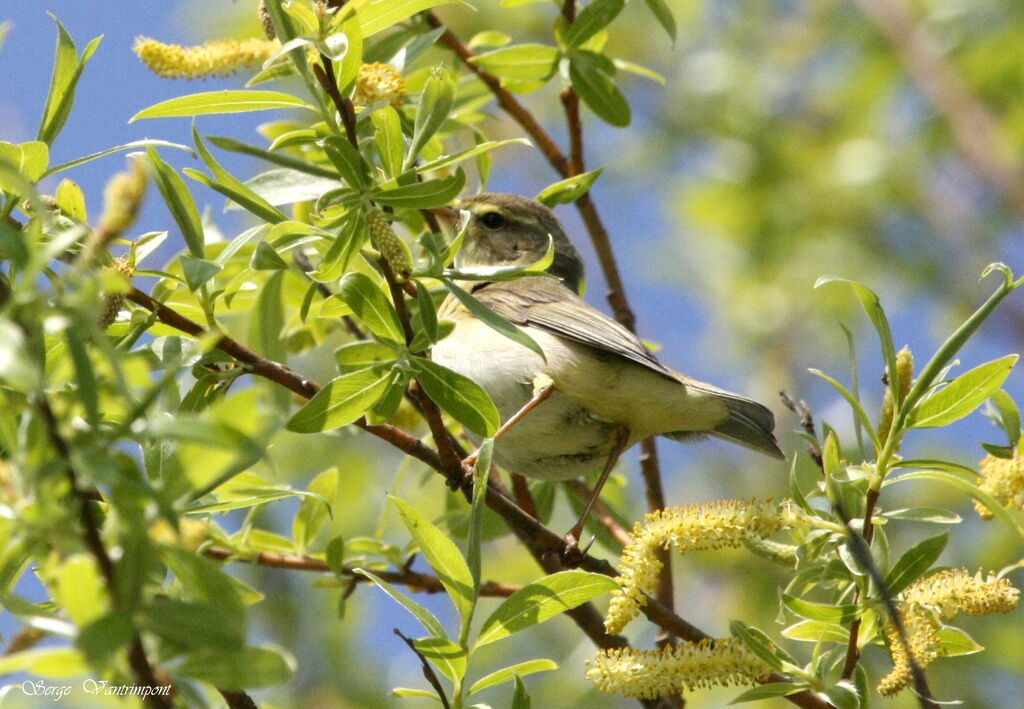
x=493, y=220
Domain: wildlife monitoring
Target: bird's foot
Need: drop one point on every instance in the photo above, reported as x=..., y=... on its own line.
x=572, y=556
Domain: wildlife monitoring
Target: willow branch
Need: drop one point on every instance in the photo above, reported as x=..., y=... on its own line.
x=975, y=130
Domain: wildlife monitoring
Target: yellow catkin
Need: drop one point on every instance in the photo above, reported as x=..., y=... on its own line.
x=218, y=57
x=122, y=200
x=905, y=377
x=646, y=674
x=1003, y=479
x=391, y=247
x=265, y=21
x=713, y=525
x=112, y=301
x=928, y=601
x=379, y=82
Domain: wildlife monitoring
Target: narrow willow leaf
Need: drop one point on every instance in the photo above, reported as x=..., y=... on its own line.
x=458, y=395
x=521, y=62
x=231, y=187
x=67, y=69
x=858, y=410
x=1009, y=415
x=758, y=643
x=954, y=642
x=481, y=472
x=479, y=149
x=592, y=19
x=962, y=484
x=873, y=309
x=541, y=600
x=426, y=618
x=443, y=556
x=363, y=354
x=284, y=185
x=506, y=674
x=769, y=691
x=249, y=668
x=180, y=203
x=933, y=515
x=915, y=562
x=663, y=14
x=422, y=195
x=347, y=160
x=371, y=306
x=282, y=159
x=389, y=139
x=448, y=657
x=597, y=89
x=340, y=402
x=568, y=190
x=213, y=102
x=377, y=16
x=436, y=103
x=817, y=631
x=198, y=271
x=492, y=319
x=963, y=395
x=821, y=611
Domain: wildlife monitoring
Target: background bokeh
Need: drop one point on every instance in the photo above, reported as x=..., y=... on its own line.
x=788, y=142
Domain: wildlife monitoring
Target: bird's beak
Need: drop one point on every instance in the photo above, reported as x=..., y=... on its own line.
x=449, y=217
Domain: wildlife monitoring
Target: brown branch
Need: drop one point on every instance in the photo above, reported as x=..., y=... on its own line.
x=416, y=581
x=324, y=74
x=428, y=671
x=137, y=659
x=237, y=699
x=544, y=545
x=976, y=132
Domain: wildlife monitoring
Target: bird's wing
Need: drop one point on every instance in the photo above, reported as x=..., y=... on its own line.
x=547, y=304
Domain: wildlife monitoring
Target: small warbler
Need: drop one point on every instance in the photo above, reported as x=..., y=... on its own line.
x=598, y=390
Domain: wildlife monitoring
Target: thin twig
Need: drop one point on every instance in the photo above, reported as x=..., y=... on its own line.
x=237, y=699
x=428, y=671
x=414, y=580
x=976, y=132
x=803, y=412
x=137, y=659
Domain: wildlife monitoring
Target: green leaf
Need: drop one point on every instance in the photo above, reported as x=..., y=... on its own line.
x=448, y=657
x=144, y=143
x=963, y=485
x=769, y=691
x=1009, y=415
x=458, y=395
x=180, y=203
x=963, y=395
x=915, y=562
x=198, y=271
x=427, y=619
x=79, y=590
x=873, y=309
x=389, y=139
x=268, y=320
x=194, y=624
x=443, y=556
x=436, y=103
x=479, y=149
x=52, y=662
x=379, y=15
x=422, y=195
x=347, y=160
x=955, y=642
x=568, y=190
x=213, y=102
x=71, y=200
x=29, y=158
x=366, y=353
x=932, y=515
x=347, y=244
x=492, y=319
x=266, y=258
x=481, y=473
x=314, y=510
x=858, y=410
x=821, y=611
x=506, y=674
x=104, y=636
x=371, y=306
x=520, y=63
x=663, y=14
x=592, y=19
x=817, y=631
x=520, y=697
x=282, y=159
x=843, y=695
x=541, y=600
x=598, y=91
x=341, y=402
x=758, y=643
x=67, y=69
x=348, y=69
x=231, y=187
x=249, y=668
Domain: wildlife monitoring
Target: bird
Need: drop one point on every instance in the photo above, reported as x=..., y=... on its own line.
x=598, y=390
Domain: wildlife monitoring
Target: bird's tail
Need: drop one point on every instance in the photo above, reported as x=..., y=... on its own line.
x=750, y=424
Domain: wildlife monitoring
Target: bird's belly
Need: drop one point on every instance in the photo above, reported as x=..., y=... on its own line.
x=559, y=439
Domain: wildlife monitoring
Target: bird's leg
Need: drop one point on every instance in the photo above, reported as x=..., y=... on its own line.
x=543, y=387
x=572, y=554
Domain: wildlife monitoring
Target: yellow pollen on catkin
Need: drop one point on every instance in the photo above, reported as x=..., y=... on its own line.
x=112, y=302
x=712, y=525
x=395, y=251
x=218, y=57
x=1003, y=479
x=379, y=82
x=928, y=601
x=647, y=674
x=122, y=200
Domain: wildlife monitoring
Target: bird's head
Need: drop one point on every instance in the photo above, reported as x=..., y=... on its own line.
x=510, y=230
